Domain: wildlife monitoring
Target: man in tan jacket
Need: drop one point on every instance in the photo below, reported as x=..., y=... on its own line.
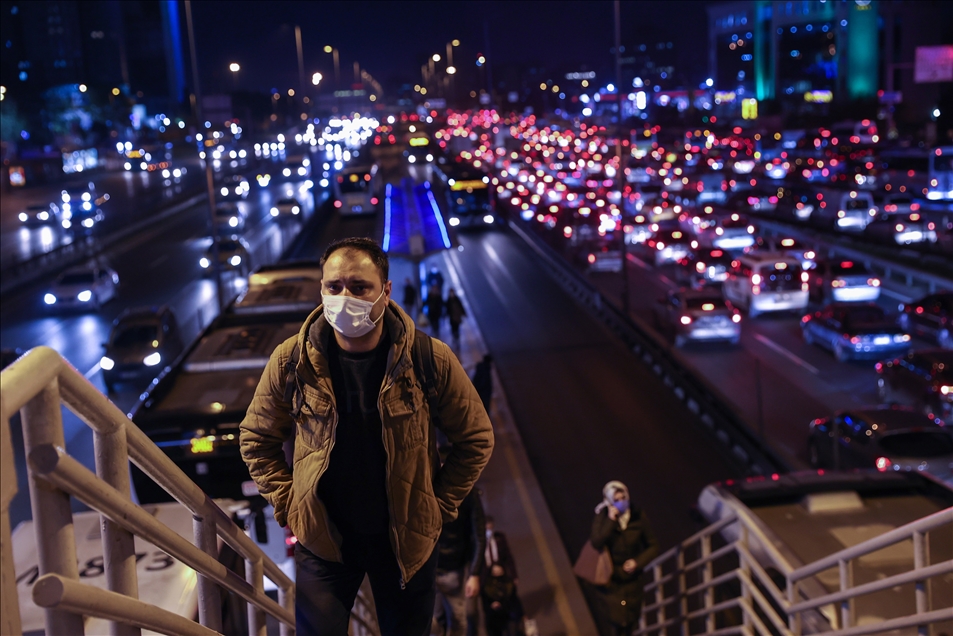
x=365, y=495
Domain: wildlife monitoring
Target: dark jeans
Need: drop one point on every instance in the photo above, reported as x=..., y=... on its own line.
x=325, y=590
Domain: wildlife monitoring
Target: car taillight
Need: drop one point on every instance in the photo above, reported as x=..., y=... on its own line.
x=290, y=541
x=338, y=204
x=736, y=318
x=373, y=200
x=873, y=282
x=756, y=279
x=805, y=277
x=883, y=463
x=837, y=283
x=855, y=340
x=592, y=258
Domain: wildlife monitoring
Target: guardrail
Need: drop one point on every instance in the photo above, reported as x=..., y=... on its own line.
x=765, y=608
x=36, y=385
x=886, y=269
x=700, y=399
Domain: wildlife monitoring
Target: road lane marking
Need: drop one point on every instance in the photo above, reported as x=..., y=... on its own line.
x=92, y=371
x=893, y=294
x=638, y=261
x=665, y=279
x=787, y=354
x=500, y=405
x=156, y=262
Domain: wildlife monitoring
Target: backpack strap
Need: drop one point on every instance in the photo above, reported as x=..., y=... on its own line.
x=425, y=368
x=292, y=394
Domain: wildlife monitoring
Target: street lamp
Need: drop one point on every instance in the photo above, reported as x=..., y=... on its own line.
x=234, y=67
x=337, y=63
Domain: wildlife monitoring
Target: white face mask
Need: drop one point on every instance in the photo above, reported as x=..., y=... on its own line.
x=350, y=316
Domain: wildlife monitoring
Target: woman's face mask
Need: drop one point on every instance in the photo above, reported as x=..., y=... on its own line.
x=622, y=505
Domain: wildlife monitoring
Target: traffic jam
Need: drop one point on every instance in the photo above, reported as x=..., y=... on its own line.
x=744, y=230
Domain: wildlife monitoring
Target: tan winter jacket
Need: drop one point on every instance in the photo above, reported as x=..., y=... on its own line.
x=420, y=502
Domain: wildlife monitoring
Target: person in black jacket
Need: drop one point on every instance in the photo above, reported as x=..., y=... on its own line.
x=459, y=565
x=625, y=532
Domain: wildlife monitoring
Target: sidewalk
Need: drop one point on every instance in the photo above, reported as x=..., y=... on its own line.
x=547, y=587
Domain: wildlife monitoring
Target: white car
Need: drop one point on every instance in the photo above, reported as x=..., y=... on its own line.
x=287, y=207
x=86, y=287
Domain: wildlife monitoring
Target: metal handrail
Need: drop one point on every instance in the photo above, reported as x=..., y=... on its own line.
x=780, y=609
x=36, y=385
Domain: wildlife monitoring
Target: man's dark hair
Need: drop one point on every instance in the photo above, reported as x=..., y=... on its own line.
x=361, y=244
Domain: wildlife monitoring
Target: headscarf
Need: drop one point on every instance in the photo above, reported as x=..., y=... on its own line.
x=608, y=497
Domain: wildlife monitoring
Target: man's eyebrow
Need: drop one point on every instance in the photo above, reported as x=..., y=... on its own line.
x=350, y=281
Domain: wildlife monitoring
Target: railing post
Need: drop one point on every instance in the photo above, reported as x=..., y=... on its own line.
x=286, y=598
x=119, y=545
x=52, y=518
x=794, y=620
x=659, y=594
x=9, y=607
x=682, y=599
x=846, y=569
x=746, y=623
x=706, y=577
x=210, y=596
x=920, y=560
x=254, y=573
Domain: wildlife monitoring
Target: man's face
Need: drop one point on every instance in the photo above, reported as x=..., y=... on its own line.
x=352, y=273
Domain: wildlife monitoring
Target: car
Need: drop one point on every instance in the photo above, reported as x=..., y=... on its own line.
x=81, y=219
x=669, y=245
x=40, y=214
x=286, y=207
x=228, y=218
x=897, y=204
x=930, y=317
x=843, y=281
x=704, y=266
x=87, y=286
x=703, y=315
x=286, y=272
x=233, y=188
x=855, y=330
x=901, y=229
x=728, y=232
x=922, y=378
x=600, y=253
x=888, y=438
x=766, y=281
x=790, y=246
x=140, y=340
x=233, y=254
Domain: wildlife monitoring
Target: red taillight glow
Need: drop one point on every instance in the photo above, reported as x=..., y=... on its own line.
x=373, y=200
x=883, y=463
x=338, y=204
x=592, y=258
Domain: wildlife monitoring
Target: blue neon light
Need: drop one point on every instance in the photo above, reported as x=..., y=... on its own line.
x=437, y=215
x=387, y=219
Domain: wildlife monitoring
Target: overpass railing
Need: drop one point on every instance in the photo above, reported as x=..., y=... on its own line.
x=684, y=595
x=35, y=386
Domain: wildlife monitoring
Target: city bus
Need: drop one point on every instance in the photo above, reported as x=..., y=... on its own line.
x=355, y=190
x=940, y=174
x=469, y=203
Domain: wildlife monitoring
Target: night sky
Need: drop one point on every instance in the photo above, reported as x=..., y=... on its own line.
x=392, y=39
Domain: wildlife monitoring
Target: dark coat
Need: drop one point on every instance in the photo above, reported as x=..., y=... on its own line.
x=434, y=305
x=637, y=541
x=454, y=309
x=504, y=557
x=463, y=540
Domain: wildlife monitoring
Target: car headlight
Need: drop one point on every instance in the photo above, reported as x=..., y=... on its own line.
x=274, y=211
x=901, y=337
x=286, y=172
x=412, y=159
x=235, y=260
x=49, y=299
x=233, y=222
x=295, y=209
x=106, y=364
x=43, y=216
x=204, y=262
x=127, y=166
x=67, y=224
x=152, y=359
x=88, y=223
x=23, y=217
x=84, y=296
x=302, y=171
x=87, y=205
x=488, y=219
x=454, y=221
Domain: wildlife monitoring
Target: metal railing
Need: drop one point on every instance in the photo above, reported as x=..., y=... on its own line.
x=681, y=594
x=36, y=385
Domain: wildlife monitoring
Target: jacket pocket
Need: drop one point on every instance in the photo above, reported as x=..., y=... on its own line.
x=407, y=419
x=313, y=424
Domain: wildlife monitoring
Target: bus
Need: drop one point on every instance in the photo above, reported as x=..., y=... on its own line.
x=940, y=174
x=355, y=190
x=469, y=201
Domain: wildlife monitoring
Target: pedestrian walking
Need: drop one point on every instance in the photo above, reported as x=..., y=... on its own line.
x=459, y=566
x=483, y=380
x=624, y=531
x=373, y=502
x=410, y=297
x=497, y=551
x=435, y=279
x=435, y=309
x=499, y=601
x=453, y=307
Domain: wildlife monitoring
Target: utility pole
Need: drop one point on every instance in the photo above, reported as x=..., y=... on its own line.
x=209, y=177
x=301, y=86
x=620, y=169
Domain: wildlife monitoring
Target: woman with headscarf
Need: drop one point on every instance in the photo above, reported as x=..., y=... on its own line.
x=623, y=530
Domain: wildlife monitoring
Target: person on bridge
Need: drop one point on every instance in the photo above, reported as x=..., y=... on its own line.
x=410, y=297
x=625, y=532
x=459, y=565
x=455, y=313
x=366, y=496
x=435, y=306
